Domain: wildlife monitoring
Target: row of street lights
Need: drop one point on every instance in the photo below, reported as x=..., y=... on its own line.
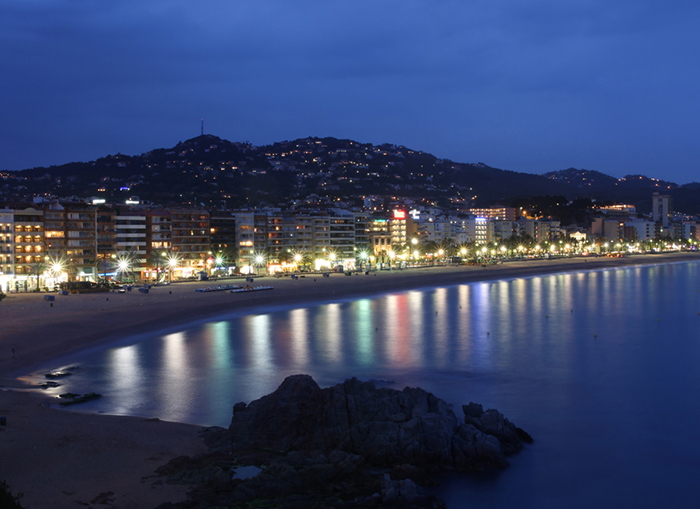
x=124, y=263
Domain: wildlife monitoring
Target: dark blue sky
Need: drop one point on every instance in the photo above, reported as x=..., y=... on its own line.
x=528, y=86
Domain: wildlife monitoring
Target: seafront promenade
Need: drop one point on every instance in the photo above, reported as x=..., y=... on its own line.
x=82, y=456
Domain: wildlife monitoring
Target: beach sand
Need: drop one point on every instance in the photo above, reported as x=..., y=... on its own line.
x=61, y=459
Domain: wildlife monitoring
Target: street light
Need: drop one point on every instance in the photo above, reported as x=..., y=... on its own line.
x=259, y=260
x=172, y=263
x=363, y=258
x=123, y=265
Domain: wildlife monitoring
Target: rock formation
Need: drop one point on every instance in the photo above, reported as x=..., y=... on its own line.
x=384, y=426
x=351, y=445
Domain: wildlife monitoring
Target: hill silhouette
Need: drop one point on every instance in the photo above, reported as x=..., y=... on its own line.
x=211, y=171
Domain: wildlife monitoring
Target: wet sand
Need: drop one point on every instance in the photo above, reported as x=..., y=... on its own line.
x=62, y=459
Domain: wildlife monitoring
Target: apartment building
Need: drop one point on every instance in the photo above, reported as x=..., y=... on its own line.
x=7, y=251
x=638, y=229
x=29, y=246
x=379, y=236
x=222, y=228
x=313, y=235
x=542, y=230
x=477, y=229
x=496, y=213
x=130, y=241
x=402, y=228
x=71, y=235
x=662, y=208
x=342, y=235
x=191, y=236
x=362, y=232
x=500, y=230
x=610, y=229
x=245, y=237
x=281, y=238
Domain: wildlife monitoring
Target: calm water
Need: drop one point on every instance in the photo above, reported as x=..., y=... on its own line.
x=602, y=368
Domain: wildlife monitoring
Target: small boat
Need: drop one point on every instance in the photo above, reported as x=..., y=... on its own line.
x=251, y=289
x=219, y=288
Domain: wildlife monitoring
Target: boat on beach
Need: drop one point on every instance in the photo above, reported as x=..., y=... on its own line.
x=251, y=289
x=219, y=288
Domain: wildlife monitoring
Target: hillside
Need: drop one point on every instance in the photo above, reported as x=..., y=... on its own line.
x=215, y=172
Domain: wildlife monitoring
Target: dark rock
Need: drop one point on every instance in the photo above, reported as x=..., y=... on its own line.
x=394, y=491
x=384, y=426
x=320, y=448
x=492, y=422
x=216, y=438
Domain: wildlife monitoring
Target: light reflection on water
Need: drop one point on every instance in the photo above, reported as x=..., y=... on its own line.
x=600, y=367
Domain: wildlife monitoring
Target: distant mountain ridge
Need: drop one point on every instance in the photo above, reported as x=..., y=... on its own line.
x=213, y=171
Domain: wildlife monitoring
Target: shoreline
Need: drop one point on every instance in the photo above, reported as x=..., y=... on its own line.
x=43, y=331
x=60, y=458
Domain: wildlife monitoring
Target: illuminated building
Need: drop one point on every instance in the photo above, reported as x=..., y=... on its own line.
x=402, y=227
x=495, y=213
x=662, y=208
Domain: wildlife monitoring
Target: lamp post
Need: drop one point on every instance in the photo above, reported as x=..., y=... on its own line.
x=363, y=259
x=172, y=263
x=123, y=266
x=259, y=260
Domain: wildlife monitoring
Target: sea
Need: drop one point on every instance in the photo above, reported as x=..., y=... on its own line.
x=601, y=367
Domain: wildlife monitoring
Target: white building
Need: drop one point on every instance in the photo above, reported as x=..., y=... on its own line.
x=477, y=229
x=643, y=229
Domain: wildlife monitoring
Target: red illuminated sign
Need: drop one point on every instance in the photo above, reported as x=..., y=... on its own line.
x=399, y=214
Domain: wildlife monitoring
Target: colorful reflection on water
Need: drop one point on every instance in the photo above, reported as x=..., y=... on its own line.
x=600, y=367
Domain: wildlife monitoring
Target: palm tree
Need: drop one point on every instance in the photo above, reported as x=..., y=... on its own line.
x=36, y=267
x=158, y=260
x=104, y=262
x=125, y=264
x=447, y=246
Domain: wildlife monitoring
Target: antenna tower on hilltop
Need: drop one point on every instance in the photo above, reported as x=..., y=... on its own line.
x=202, y=127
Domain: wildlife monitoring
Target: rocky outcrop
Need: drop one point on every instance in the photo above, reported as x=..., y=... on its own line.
x=322, y=448
x=384, y=426
x=493, y=423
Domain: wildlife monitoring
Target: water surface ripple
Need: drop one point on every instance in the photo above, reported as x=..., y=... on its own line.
x=600, y=367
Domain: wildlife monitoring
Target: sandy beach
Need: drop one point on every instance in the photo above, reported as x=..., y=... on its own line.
x=64, y=459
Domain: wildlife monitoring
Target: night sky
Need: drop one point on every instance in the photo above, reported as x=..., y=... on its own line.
x=530, y=86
